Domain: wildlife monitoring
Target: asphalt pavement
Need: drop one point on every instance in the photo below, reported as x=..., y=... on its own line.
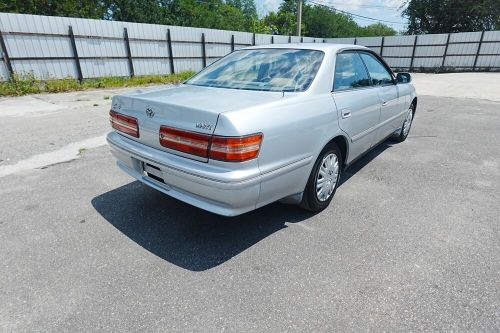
x=411, y=240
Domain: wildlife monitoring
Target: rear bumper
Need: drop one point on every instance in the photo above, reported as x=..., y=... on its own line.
x=218, y=190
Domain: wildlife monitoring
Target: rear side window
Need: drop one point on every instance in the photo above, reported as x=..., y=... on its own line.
x=378, y=73
x=349, y=72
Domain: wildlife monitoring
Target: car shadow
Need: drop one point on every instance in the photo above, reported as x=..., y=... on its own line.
x=184, y=235
x=359, y=164
x=192, y=238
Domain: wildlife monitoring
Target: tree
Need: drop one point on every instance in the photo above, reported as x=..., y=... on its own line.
x=71, y=8
x=240, y=15
x=323, y=22
x=376, y=29
x=320, y=21
x=142, y=11
x=431, y=16
x=283, y=21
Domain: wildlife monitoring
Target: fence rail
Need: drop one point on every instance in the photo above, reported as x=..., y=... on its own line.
x=58, y=47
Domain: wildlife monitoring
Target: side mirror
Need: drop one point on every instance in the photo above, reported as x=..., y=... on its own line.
x=403, y=77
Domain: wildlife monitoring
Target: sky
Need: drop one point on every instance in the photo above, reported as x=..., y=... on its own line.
x=387, y=10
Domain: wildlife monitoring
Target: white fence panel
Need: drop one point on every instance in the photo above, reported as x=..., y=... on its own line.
x=463, y=49
x=427, y=62
x=398, y=51
x=459, y=61
x=278, y=39
x=4, y=75
x=109, y=67
x=432, y=39
x=188, y=65
x=151, y=66
x=490, y=48
x=42, y=45
x=491, y=36
x=96, y=47
x=140, y=48
x=186, y=50
x=217, y=50
x=399, y=40
x=262, y=39
x=488, y=61
x=341, y=40
x=398, y=62
x=369, y=41
x=462, y=37
x=429, y=51
x=46, y=69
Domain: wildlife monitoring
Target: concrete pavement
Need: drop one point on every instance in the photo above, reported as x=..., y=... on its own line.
x=411, y=240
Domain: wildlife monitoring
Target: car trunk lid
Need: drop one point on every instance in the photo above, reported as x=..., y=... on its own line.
x=185, y=107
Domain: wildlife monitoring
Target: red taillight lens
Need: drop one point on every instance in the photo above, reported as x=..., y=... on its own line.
x=235, y=149
x=185, y=141
x=125, y=124
x=231, y=149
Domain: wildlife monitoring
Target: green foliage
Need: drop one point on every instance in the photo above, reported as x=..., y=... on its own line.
x=142, y=11
x=239, y=15
x=73, y=8
x=27, y=83
x=320, y=21
x=430, y=16
x=376, y=29
x=20, y=85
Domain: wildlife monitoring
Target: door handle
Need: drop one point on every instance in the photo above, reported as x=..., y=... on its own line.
x=384, y=103
x=346, y=114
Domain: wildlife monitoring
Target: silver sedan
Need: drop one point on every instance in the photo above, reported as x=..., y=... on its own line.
x=264, y=123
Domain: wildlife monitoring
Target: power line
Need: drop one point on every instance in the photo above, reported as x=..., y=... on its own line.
x=365, y=6
x=354, y=15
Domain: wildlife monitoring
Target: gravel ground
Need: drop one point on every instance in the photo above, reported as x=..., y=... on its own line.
x=411, y=240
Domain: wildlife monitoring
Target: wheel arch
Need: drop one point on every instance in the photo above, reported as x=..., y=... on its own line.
x=414, y=102
x=342, y=142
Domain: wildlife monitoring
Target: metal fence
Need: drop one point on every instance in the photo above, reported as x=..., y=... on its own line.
x=464, y=51
x=59, y=47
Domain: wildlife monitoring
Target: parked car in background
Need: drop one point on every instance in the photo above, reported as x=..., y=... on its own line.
x=264, y=123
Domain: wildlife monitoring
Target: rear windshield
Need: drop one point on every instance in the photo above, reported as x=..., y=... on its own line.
x=262, y=69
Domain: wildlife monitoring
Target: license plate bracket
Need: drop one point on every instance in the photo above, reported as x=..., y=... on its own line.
x=153, y=171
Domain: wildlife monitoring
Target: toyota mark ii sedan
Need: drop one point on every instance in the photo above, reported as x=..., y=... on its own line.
x=262, y=124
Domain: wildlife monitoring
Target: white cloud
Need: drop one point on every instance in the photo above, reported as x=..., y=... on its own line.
x=271, y=5
x=352, y=5
x=374, y=6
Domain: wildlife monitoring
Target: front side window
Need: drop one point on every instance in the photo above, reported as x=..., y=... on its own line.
x=378, y=73
x=262, y=69
x=349, y=72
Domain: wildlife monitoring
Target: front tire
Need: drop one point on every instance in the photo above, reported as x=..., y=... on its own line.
x=323, y=180
x=405, y=129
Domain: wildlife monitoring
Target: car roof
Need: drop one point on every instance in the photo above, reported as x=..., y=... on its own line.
x=326, y=47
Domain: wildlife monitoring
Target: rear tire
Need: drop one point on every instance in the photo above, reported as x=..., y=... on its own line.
x=323, y=180
x=405, y=129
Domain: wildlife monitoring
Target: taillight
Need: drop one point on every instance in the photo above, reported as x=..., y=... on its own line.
x=231, y=149
x=123, y=123
x=185, y=141
x=235, y=149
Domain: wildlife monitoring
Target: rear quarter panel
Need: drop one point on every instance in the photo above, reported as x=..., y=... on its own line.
x=295, y=130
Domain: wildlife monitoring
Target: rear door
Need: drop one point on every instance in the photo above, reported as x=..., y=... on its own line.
x=388, y=93
x=358, y=103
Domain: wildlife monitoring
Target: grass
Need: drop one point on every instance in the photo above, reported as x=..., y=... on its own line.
x=23, y=84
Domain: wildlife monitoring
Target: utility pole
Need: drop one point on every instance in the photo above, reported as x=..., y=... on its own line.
x=299, y=17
